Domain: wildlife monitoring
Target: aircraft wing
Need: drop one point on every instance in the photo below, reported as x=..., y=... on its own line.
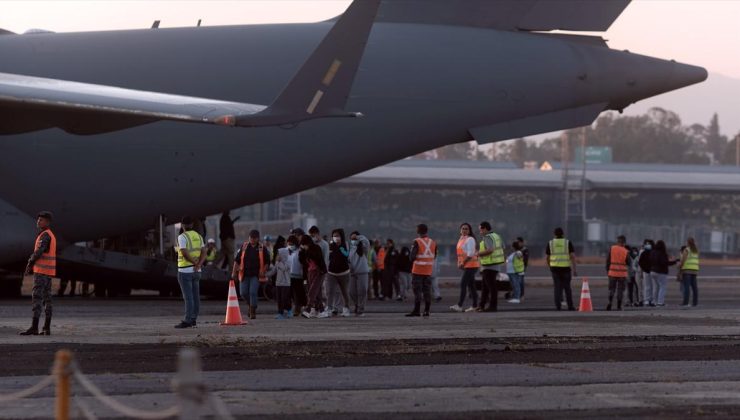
x=319, y=90
x=514, y=15
x=35, y=103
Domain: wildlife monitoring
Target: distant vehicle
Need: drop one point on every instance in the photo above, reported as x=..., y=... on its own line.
x=87, y=135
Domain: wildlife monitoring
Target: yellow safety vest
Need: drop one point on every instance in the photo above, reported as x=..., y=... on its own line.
x=559, y=255
x=497, y=257
x=211, y=255
x=692, y=261
x=194, y=245
x=518, y=263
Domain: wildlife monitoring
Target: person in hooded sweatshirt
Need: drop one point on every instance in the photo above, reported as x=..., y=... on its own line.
x=403, y=265
x=297, y=289
x=313, y=262
x=359, y=271
x=659, y=263
x=281, y=269
x=643, y=262
x=339, y=272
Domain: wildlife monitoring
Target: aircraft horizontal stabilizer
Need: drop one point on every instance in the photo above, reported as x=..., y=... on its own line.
x=553, y=121
x=319, y=90
x=512, y=15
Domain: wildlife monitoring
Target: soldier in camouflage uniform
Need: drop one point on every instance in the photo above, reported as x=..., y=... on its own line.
x=42, y=264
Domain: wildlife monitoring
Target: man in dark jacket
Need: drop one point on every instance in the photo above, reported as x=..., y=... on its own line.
x=643, y=261
x=250, y=266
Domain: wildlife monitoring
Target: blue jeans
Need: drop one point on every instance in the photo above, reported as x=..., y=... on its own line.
x=249, y=286
x=688, y=285
x=468, y=283
x=516, y=285
x=190, y=287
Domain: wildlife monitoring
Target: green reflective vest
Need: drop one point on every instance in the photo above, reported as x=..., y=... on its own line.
x=211, y=255
x=497, y=257
x=193, y=246
x=559, y=255
x=370, y=258
x=692, y=261
x=518, y=263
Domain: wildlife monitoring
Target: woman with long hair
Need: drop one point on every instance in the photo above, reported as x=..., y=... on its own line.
x=689, y=271
x=467, y=260
x=313, y=260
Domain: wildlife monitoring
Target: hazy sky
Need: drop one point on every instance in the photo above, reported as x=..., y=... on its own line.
x=701, y=32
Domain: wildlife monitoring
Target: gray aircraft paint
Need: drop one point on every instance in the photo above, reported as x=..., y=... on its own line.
x=420, y=87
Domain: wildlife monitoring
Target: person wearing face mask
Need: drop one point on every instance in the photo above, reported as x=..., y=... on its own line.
x=281, y=271
x=643, y=261
x=297, y=289
x=313, y=261
x=338, y=276
x=315, y=234
x=359, y=271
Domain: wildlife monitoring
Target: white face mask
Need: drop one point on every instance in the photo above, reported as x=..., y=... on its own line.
x=354, y=242
x=292, y=247
x=337, y=239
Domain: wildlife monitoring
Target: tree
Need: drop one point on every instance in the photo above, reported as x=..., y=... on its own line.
x=716, y=142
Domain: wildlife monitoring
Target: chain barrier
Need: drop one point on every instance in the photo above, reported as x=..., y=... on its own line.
x=85, y=410
x=29, y=391
x=117, y=406
x=188, y=386
x=219, y=406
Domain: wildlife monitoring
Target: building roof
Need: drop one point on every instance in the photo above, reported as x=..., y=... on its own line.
x=690, y=178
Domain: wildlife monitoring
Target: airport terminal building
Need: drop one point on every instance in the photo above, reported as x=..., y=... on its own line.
x=668, y=202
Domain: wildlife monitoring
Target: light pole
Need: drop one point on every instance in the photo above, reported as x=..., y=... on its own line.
x=583, y=188
x=564, y=158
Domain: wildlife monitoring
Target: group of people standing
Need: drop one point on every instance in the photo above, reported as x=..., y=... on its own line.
x=646, y=270
x=488, y=256
x=315, y=278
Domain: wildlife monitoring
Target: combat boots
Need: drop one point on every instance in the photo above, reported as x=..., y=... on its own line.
x=47, y=326
x=34, y=330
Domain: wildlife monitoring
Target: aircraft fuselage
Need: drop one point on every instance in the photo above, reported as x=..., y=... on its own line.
x=419, y=86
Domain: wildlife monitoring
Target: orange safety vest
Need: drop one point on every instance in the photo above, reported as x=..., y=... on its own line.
x=380, y=261
x=618, y=261
x=47, y=263
x=262, y=277
x=424, y=262
x=461, y=255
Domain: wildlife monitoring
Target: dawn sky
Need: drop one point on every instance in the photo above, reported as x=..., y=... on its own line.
x=701, y=32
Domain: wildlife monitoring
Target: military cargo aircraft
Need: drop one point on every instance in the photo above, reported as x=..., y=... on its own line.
x=109, y=130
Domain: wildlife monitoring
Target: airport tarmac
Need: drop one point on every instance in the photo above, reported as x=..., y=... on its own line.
x=525, y=361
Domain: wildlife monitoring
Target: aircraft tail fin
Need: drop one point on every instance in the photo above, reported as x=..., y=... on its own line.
x=322, y=86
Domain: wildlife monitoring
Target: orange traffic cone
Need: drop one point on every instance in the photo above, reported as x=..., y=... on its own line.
x=233, y=314
x=585, y=305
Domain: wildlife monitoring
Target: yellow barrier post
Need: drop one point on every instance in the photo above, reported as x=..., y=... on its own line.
x=62, y=373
